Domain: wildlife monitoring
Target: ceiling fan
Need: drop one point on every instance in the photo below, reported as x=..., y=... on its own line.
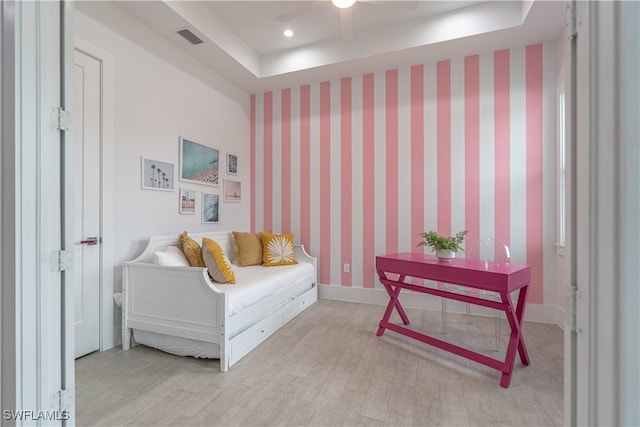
x=346, y=12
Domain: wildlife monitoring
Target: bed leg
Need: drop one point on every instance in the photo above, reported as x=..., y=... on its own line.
x=224, y=361
x=126, y=338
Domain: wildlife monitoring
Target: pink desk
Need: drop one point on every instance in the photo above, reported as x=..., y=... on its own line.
x=503, y=278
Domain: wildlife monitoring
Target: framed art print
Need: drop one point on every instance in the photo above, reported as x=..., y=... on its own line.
x=187, y=202
x=232, y=164
x=232, y=191
x=199, y=164
x=210, y=208
x=157, y=175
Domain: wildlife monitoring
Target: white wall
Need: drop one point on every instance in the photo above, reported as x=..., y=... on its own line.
x=155, y=102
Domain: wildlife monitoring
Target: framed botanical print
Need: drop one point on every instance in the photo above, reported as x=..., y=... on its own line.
x=157, y=175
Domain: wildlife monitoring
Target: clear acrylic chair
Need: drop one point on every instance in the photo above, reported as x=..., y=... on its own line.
x=487, y=249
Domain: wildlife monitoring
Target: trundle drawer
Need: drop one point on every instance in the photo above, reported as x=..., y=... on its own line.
x=297, y=306
x=249, y=339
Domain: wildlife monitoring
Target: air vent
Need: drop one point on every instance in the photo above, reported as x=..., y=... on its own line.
x=192, y=38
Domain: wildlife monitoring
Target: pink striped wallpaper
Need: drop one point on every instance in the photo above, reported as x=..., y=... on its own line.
x=363, y=164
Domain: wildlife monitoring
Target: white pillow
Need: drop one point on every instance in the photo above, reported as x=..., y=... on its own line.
x=172, y=257
x=117, y=298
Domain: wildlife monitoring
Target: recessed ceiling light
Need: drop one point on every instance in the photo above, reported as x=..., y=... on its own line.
x=288, y=33
x=343, y=4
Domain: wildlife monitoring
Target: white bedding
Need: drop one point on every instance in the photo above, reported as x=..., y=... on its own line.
x=177, y=345
x=255, y=283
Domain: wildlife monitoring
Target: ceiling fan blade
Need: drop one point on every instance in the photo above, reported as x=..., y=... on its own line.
x=399, y=4
x=346, y=24
x=301, y=10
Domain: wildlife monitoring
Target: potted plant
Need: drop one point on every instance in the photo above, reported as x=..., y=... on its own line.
x=445, y=247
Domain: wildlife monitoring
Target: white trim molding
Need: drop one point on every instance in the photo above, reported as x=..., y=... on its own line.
x=10, y=243
x=33, y=294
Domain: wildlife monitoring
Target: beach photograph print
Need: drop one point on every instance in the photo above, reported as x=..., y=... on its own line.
x=187, y=202
x=232, y=191
x=232, y=164
x=157, y=175
x=210, y=208
x=198, y=163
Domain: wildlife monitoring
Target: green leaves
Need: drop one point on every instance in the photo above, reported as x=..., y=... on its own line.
x=437, y=242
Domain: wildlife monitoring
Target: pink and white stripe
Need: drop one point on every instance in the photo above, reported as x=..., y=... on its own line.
x=443, y=146
x=363, y=164
x=472, y=147
x=346, y=162
x=502, y=150
x=305, y=168
x=267, y=179
x=417, y=153
x=252, y=161
x=285, y=167
x=368, y=180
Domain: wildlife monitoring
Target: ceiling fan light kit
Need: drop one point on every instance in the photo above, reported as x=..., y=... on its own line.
x=343, y=4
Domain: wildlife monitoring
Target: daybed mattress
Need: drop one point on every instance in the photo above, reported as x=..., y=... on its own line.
x=255, y=283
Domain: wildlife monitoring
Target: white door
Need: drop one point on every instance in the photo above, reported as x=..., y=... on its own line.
x=87, y=128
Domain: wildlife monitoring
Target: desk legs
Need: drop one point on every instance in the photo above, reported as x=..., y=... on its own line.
x=515, y=316
x=393, y=302
x=522, y=349
x=516, y=340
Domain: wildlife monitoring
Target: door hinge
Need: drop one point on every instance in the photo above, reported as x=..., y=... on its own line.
x=62, y=401
x=571, y=20
x=60, y=261
x=571, y=321
x=61, y=119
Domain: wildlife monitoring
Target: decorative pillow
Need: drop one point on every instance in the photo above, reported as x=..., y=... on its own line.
x=248, y=248
x=277, y=249
x=172, y=256
x=217, y=263
x=192, y=250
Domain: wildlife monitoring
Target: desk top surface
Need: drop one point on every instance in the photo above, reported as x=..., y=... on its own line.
x=489, y=275
x=468, y=264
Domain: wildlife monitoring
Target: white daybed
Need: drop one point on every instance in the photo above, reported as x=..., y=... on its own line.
x=180, y=310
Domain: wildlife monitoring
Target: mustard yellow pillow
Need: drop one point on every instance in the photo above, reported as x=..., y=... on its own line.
x=248, y=248
x=217, y=263
x=191, y=250
x=277, y=249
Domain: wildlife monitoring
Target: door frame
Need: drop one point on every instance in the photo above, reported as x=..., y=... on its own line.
x=35, y=337
x=605, y=346
x=109, y=334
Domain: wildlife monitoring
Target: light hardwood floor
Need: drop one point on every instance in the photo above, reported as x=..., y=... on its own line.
x=327, y=368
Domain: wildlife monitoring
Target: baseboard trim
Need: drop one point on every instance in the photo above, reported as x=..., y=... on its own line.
x=560, y=317
x=117, y=334
x=534, y=313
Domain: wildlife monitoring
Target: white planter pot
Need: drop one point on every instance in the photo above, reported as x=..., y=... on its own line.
x=445, y=255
